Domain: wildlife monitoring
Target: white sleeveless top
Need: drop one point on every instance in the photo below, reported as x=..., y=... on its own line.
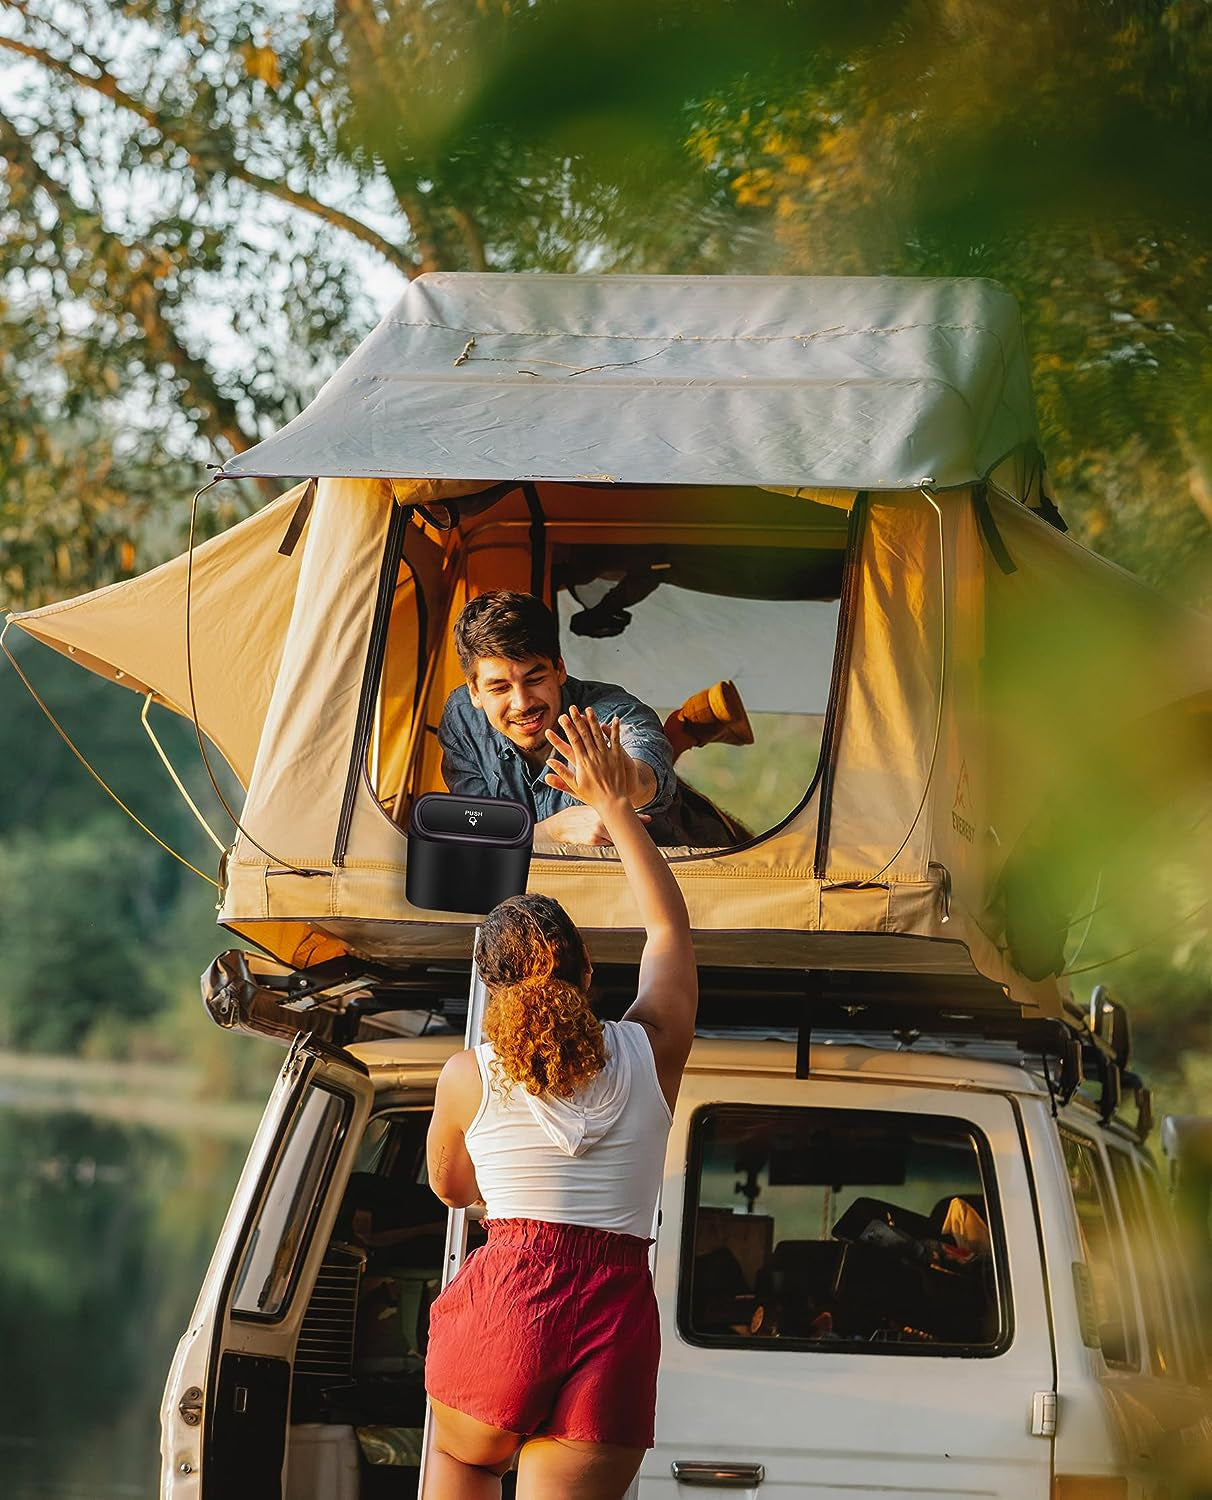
x=594, y=1159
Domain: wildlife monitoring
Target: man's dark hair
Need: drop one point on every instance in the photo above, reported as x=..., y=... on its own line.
x=503, y=623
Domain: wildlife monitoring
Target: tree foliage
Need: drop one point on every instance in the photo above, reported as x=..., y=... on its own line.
x=74, y=911
x=101, y=930
x=1066, y=156
x=195, y=195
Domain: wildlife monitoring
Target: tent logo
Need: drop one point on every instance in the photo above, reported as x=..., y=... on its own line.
x=961, y=808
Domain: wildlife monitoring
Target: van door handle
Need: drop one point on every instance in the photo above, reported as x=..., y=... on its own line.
x=725, y=1476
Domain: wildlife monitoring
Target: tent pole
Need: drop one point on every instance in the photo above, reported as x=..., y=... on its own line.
x=376, y=734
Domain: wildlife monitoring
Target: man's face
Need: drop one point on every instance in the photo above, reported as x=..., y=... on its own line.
x=520, y=698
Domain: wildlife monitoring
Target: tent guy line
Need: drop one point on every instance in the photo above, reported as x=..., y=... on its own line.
x=90, y=768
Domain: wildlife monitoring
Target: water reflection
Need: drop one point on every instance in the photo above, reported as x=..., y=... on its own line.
x=105, y=1233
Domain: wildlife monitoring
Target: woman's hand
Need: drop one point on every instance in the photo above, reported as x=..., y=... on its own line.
x=594, y=768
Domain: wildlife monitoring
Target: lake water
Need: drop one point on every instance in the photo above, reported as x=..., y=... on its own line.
x=105, y=1233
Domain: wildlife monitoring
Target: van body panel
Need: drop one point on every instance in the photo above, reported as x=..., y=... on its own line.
x=181, y=1442
x=1090, y=1437
x=845, y=1423
x=1120, y=1410
x=271, y=1244
x=826, y=1422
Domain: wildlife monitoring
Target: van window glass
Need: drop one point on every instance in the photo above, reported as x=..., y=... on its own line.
x=282, y=1228
x=394, y=1229
x=387, y=1208
x=1142, y=1246
x=376, y=1144
x=843, y=1230
x=669, y=622
x=1105, y=1252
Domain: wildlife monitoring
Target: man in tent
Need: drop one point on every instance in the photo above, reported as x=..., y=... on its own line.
x=493, y=731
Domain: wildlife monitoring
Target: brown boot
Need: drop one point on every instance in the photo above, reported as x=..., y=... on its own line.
x=715, y=715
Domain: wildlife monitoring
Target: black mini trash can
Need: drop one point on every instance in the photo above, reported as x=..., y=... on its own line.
x=467, y=853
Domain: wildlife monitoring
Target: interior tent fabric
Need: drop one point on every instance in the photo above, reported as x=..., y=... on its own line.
x=830, y=381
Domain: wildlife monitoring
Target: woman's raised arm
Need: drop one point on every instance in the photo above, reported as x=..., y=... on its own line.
x=593, y=770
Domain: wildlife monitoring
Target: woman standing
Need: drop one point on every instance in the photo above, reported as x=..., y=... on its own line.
x=547, y=1340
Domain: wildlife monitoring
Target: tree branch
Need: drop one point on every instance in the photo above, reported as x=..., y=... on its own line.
x=109, y=88
x=473, y=236
x=433, y=252
x=161, y=341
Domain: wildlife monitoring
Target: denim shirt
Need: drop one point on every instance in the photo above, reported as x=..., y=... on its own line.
x=478, y=761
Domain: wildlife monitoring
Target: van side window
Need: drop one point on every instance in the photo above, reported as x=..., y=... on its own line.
x=1142, y=1247
x=842, y=1231
x=1105, y=1252
x=286, y=1214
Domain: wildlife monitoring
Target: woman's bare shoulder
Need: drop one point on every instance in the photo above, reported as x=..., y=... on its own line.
x=459, y=1083
x=462, y=1062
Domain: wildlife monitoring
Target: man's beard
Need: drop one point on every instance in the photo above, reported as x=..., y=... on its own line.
x=532, y=740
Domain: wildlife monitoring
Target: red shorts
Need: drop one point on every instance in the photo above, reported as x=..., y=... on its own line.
x=551, y=1330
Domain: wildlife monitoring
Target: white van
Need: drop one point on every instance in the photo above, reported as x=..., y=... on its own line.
x=906, y=1253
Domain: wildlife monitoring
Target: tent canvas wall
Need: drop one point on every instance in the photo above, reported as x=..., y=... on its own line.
x=866, y=442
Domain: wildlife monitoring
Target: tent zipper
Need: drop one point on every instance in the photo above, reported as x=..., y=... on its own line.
x=841, y=672
x=376, y=649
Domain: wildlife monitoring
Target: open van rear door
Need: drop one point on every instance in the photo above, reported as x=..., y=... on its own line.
x=227, y=1402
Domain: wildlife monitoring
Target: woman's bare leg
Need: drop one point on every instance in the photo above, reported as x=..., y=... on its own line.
x=466, y=1458
x=553, y=1468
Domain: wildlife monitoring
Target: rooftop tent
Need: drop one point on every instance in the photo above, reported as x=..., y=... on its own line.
x=819, y=381
x=823, y=487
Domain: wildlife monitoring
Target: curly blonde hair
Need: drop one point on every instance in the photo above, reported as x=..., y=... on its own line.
x=538, y=1019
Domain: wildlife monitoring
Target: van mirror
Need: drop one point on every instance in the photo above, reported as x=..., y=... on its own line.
x=1112, y=1091
x=1144, y=1111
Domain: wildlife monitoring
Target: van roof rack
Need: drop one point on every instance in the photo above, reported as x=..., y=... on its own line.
x=929, y=1012
x=335, y=1000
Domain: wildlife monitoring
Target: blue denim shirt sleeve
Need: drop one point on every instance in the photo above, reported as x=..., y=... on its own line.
x=478, y=762
x=642, y=735
x=463, y=751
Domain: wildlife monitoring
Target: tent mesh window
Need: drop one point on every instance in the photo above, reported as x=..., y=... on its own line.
x=664, y=592
x=668, y=622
